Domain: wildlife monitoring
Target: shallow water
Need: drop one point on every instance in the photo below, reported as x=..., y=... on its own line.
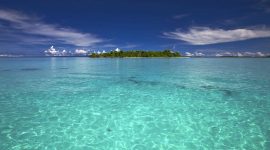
x=83, y=103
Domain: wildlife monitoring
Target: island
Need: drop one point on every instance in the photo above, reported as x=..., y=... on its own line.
x=136, y=53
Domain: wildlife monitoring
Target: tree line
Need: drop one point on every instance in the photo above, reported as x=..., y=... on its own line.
x=137, y=53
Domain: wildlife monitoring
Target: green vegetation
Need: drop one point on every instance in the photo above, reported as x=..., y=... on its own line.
x=137, y=53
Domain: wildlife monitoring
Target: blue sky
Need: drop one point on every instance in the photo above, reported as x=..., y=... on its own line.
x=207, y=26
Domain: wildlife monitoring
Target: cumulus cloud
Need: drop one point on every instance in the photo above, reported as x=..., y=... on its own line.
x=260, y=54
x=23, y=24
x=197, y=54
x=206, y=35
x=188, y=54
x=53, y=52
x=80, y=52
x=200, y=54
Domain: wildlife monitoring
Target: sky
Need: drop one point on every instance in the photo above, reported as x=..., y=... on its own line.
x=188, y=26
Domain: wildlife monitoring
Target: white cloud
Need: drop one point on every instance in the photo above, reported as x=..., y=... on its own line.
x=189, y=54
x=32, y=25
x=242, y=54
x=219, y=55
x=239, y=54
x=10, y=55
x=80, y=52
x=53, y=52
x=206, y=35
x=260, y=54
x=199, y=54
x=14, y=16
x=227, y=54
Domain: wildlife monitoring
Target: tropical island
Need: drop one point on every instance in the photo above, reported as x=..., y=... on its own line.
x=136, y=53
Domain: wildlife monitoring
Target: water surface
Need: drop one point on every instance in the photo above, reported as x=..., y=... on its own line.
x=83, y=103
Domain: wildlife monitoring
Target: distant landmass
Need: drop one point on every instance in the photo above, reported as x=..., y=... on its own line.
x=136, y=53
x=95, y=53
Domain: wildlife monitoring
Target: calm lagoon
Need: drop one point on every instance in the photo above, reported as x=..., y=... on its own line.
x=143, y=103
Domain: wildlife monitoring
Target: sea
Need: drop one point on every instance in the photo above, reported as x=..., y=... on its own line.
x=81, y=103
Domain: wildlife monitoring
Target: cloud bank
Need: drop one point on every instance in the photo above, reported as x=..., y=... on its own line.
x=206, y=35
x=34, y=28
x=242, y=54
x=54, y=52
x=227, y=54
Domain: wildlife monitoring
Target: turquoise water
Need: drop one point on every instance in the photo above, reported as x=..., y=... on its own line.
x=142, y=104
